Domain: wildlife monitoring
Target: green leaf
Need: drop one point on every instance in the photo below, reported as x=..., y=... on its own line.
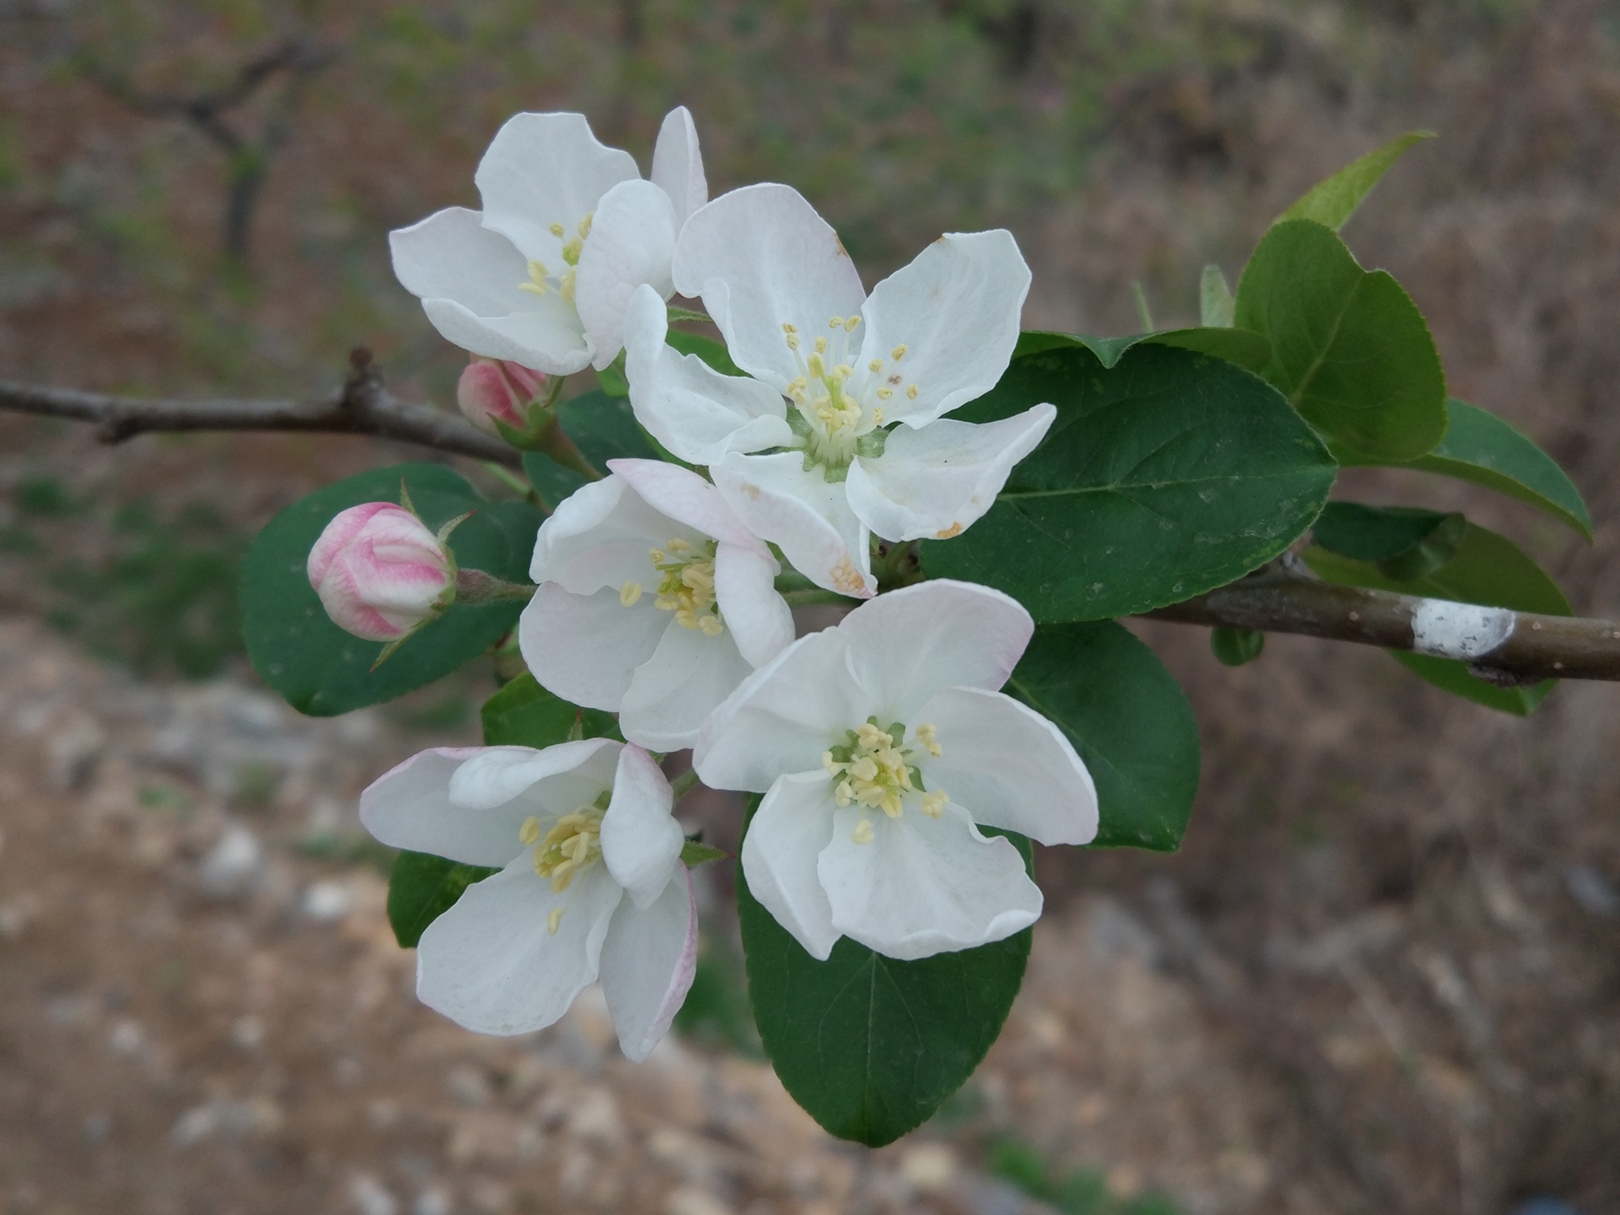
x=1236, y=647
x=1349, y=348
x=1215, y=302
x=611, y=378
x=421, y=888
x=1161, y=478
x=1129, y=720
x=710, y=351
x=1404, y=542
x=323, y=671
x=695, y=853
x=1489, y=570
x=523, y=714
x=870, y=1046
x=604, y=428
x=1480, y=447
x=1333, y=201
x=1239, y=346
x=551, y=480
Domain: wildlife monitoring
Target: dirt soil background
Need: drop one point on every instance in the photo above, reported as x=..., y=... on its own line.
x=1383, y=972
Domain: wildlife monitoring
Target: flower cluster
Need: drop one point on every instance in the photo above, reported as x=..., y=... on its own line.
x=886, y=754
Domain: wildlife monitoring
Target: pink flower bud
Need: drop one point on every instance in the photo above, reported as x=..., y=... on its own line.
x=380, y=572
x=490, y=389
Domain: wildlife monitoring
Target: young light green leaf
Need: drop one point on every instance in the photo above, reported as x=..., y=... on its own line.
x=1333, y=201
x=1215, y=301
x=323, y=671
x=1488, y=569
x=1164, y=477
x=524, y=714
x=1129, y=720
x=1480, y=447
x=870, y=1046
x=421, y=888
x=695, y=853
x=1349, y=348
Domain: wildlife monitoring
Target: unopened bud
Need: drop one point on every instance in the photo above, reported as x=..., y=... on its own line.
x=380, y=571
x=491, y=391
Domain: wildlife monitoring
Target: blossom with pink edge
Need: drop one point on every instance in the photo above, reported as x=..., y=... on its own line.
x=882, y=746
x=380, y=572
x=591, y=887
x=491, y=391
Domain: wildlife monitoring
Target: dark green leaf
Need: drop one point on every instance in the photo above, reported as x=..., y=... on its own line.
x=523, y=714
x=1334, y=201
x=604, y=428
x=1403, y=541
x=1489, y=570
x=1162, y=478
x=421, y=888
x=1349, y=348
x=1129, y=720
x=1480, y=447
x=322, y=670
x=870, y=1046
x=710, y=351
x=1236, y=647
x=1238, y=346
x=551, y=480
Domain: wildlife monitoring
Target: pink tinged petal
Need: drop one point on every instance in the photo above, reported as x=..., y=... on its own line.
x=674, y=691
x=641, y=841
x=491, y=965
x=409, y=807
x=586, y=648
x=552, y=781
x=761, y=257
x=345, y=525
x=935, y=482
x=379, y=572
x=783, y=716
x=810, y=519
x=468, y=280
x=956, y=309
x=677, y=164
x=603, y=535
x=908, y=644
x=544, y=169
x=693, y=410
x=631, y=244
x=1009, y=767
x=791, y=828
x=756, y=616
x=648, y=962
x=680, y=494
x=484, y=393
x=921, y=885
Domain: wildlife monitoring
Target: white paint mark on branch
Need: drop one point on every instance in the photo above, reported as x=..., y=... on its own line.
x=1459, y=630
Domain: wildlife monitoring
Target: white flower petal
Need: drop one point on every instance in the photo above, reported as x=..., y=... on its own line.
x=677, y=164
x=908, y=644
x=810, y=519
x=693, y=410
x=935, y=482
x=544, y=169
x=956, y=308
x=602, y=535
x=648, y=962
x=788, y=832
x=782, y=717
x=921, y=885
x=549, y=339
x=586, y=648
x=489, y=963
x=409, y=807
x=555, y=779
x=761, y=257
x=631, y=244
x=680, y=494
x=674, y=691
x=640, y=837
x=1009, y=767
x=756, y=616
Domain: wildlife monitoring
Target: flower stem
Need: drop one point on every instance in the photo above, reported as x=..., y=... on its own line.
x=556, y=444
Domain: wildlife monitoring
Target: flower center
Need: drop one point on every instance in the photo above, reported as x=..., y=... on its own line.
x=685, y=587
x=574, y=843
x=840, y=407
x=877, y=772
x=541, y=280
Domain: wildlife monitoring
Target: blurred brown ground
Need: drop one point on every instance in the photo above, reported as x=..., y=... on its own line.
x=1381, y=975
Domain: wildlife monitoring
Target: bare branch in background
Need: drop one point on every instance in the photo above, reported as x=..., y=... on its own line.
x=362, y=406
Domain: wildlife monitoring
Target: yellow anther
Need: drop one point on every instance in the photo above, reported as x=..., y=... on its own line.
x=818, y=365
x=842, y=372
x=657, y=556
x=678, y=545
x=911, y=393
x=565, y=287
x=557, y=230
x=529, y=833
x=792, y=341
x=537, y=279
x=899, y=352
x=573, y=843
x=929, y=739
x=687, y=585
x=710, y=626
x=843, y=794
x=863, y=832
x=571, y=251
x=787, y=328
x=629, y=593
x=850, y=323
x=584, y=228
x=554, y=920
x=877, y=416
x=933, y=804
x=875, y=365
x=821, y=347
x=883, y=394
x=836, y=322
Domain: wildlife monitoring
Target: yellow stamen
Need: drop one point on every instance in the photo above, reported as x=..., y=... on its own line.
x=850, y=323
x=584, y=228
x=537, y=279
x=863, y=832
x=554, y=920
x=883, y=394
x=557, y=230
x=911, y=393
x=529, y=833
x=836, y=322
x=787, y=328
x=899, y=352
x=877, y=416
x=933, y=804
x=629, y=593
x=821, y=347
x=875, y=365
x=792, y=341
x=686, y=586
x=571, y=250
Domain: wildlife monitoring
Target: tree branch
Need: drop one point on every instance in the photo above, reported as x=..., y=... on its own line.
x=362, y=406
x=1508, y=648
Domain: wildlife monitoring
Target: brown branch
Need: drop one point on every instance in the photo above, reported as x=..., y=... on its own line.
x=1504, y=647
x=362, y=406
